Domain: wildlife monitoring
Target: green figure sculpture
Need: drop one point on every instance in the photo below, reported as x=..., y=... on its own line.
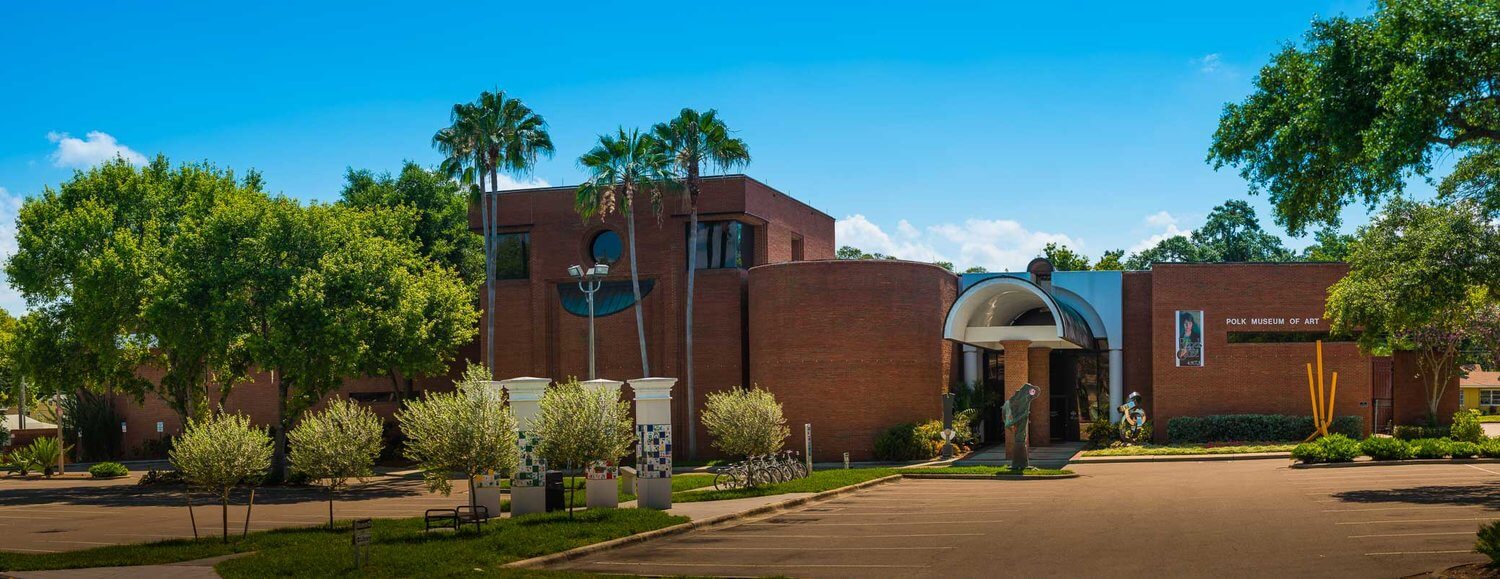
x=1018, y=419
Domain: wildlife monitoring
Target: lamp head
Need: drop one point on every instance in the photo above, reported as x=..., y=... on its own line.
x=599, y=270
x=575, y=271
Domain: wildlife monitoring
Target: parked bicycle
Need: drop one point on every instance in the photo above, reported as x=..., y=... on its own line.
x=760, y=470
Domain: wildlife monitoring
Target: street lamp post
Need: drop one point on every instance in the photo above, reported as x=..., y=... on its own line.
x=588, y=283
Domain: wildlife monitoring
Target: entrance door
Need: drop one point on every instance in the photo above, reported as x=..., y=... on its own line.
x=1382, y=402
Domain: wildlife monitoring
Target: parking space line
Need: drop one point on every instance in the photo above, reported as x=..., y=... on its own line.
x=1419, y=552
x=29, y=550
x=904, y=536
x=1483, y=469
x=1399, y=508
x=936, y=548
x=1385, y=535
x=843, y=514
x=1406, y=521
x=764, y=566
x=816, y=524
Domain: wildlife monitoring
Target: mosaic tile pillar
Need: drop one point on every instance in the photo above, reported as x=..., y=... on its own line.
x=602, y=489
x=487, y=491
x=528, y=493
x=653, y=430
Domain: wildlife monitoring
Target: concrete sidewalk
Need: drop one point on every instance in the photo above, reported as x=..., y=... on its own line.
x=1051, y=456
x=198, y=569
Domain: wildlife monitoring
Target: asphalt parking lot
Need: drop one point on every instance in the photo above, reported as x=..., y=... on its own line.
x=1254, y=518
x=39, y=516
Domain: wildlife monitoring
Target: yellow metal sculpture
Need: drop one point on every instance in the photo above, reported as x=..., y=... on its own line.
x=1322, y=408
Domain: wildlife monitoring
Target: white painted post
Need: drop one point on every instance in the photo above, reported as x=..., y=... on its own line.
x=528, y=493
x=487, y=486
x=807, y=445
x=653, y=431
x=602, y=489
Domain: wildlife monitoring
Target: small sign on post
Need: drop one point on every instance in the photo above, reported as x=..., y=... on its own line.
x=807, y=445
x=846, y=461
x=361, y=541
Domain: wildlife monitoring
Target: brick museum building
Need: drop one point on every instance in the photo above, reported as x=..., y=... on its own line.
x=854, y=347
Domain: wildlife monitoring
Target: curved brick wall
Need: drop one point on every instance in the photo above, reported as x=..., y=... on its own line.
x=852, y=347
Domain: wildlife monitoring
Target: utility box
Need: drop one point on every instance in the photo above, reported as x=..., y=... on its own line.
x=557, y=498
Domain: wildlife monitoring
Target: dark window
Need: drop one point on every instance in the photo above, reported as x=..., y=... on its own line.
x=606, y=247
x=796, y=249
x=725, y=244
x=512, y=253
x=372, y=397
x=1287, y=337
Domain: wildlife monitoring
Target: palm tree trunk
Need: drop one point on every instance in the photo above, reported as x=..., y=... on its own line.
x=491, y=249
x=692, y=274
x=635, y=283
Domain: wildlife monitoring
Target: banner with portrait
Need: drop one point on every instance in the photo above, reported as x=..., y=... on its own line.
x=1189, y=350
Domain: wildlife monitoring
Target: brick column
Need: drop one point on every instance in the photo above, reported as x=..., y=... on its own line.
x=1017, y=364
x=1039, y=368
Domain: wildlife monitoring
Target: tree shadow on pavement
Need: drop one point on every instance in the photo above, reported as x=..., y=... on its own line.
x=1484, y=495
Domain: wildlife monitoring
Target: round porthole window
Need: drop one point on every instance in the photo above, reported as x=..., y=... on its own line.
x=606, y=247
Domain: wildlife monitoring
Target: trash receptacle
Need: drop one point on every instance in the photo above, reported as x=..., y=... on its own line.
x=556, y=498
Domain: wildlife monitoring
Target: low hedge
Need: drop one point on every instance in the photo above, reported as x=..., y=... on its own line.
x=1263, y=427
x=1331, y=448
x=108, y=470
x=1431, y=447
x=1408, y=432
x=1385, y=448
x=905, y=442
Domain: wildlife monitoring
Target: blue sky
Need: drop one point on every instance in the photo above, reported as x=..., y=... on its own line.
x=961, y=131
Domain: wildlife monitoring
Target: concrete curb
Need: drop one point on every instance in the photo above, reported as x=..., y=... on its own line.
x=1179, y=457
x=693, y=525
x=1359, y=463
x=989, y=476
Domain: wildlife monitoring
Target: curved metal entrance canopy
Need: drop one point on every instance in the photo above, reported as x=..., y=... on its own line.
x=995, y=310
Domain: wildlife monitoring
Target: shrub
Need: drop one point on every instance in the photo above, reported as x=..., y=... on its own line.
x=1258, y=427
x=4, y=435
x=1102, y=434
x=1466, y=427
x=466, y=431
x=108, y=470
x=221, y=452
x=577, y=426
x=745, y=422
x=1309, y=453
x=1331, y=448
x=1430, y=447
x=1463, y=449
x=1490, y=448
x=40, y=455
x=1385, y=448
x=1409, y=432
x=161, y=477
x=1488, y=542
x=904, y=442
x=335, y=445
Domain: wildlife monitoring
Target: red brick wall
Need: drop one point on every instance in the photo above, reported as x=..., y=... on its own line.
x=1136, y=293
x=1409, y=392
x=853, y=347
x=1248, y=378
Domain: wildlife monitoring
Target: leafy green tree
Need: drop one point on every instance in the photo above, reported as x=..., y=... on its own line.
x=1328, y=245
x=693, y=140
x=622, y=167
x=1364, y=103
x=1064, y=258
x=335, y=445
x=1232, y=233
x=745, y=423
x=1423, y=278
x=948, y=265
x=1111, y=261
x=469, y=430
x=494, y=133
x=89, y=254
x=429, y=313
x=976, y=269
x=851, y=252
x=1175, y=249
x=576, y=426
x=219, y=453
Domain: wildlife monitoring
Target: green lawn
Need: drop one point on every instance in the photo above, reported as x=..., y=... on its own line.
x=1490, y=418
x=826, y=480
x=1179, y=449
x=399, y=548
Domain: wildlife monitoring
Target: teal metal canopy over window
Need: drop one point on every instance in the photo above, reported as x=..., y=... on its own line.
x=612, y=298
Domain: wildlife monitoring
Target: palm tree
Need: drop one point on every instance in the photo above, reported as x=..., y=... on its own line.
x=492, y=133
x=693, y=139
x=621, y=167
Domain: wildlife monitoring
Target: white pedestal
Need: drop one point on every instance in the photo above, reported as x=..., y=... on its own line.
x=528, y=494
x=653, y=430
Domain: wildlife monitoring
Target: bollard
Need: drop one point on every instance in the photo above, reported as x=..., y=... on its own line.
x=602, y=490
x=528, y=492
x=653, y=431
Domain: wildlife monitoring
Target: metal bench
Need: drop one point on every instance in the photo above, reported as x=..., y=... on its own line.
x=455, y=518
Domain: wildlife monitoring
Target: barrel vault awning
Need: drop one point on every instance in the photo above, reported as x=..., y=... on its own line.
x=985, y=313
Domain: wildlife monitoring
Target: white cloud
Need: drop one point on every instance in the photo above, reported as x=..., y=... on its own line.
x=96, y=147
x=507, y=183
x=10, y=206
x=1165, y=224
x=998, y=244
x=1209, y=63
